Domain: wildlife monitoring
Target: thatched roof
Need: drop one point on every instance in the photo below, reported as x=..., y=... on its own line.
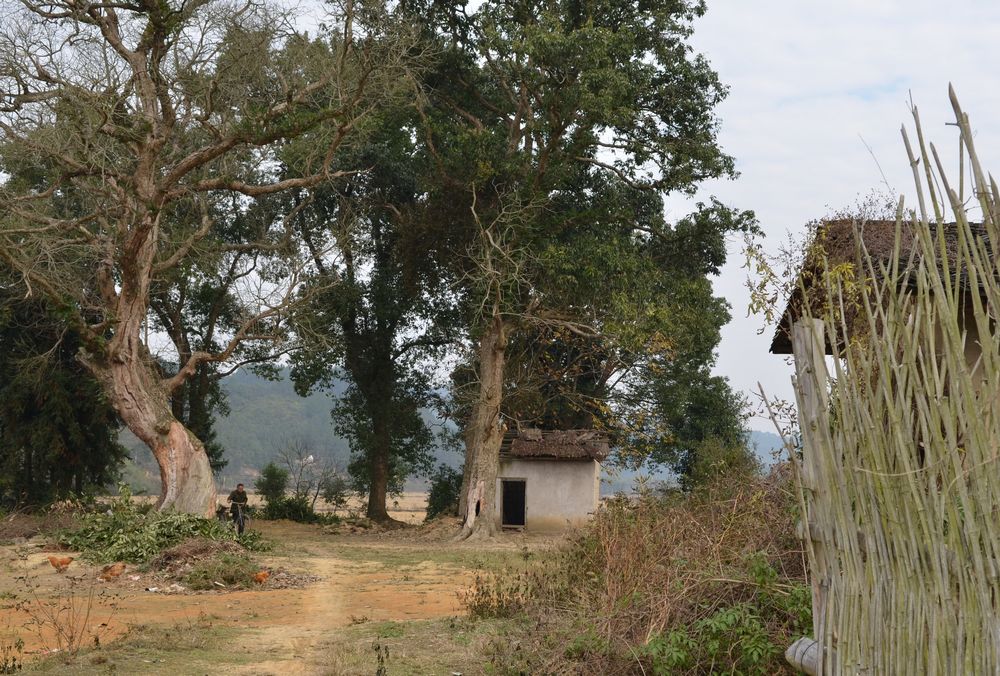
x=838, y=241
x=562, y=444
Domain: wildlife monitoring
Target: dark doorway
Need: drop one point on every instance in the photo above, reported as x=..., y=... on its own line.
x=513, y=503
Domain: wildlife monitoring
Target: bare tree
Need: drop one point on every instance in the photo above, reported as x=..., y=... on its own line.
x=124, y=126
x=312, y=476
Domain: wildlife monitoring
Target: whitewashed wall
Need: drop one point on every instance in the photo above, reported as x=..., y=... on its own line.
x=559, y=494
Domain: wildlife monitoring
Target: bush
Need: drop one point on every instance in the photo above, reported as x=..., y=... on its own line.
x=703, y=582
x=134, y=533
x=334, y=490
x=294, y=508
x=272, y=483
x=713, y=458
x=741, y=636
x=446, y=487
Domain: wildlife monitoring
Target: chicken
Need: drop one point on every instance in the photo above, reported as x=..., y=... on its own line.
x=60, y=563
x=110, y=572
x=261, y=577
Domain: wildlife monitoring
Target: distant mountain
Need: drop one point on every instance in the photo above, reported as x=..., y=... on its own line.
x=266, y=414
x=768, y=446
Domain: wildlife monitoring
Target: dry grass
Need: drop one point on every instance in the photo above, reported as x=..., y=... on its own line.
x=197, y=645
x=446, y=646
x=25, y=524
x=646, y=569
x=193, y=550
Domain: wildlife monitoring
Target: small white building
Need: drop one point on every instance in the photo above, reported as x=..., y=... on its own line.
x=549, y=481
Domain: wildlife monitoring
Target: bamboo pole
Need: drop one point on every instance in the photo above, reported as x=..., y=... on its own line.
x=809, y=348
x=899, y=478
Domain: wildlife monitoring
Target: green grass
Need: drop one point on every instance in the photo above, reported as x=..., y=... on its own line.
x=401, y=556
x=203, y=645
x=418, y=647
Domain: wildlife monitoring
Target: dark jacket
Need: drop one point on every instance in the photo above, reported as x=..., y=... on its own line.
x=237, y=498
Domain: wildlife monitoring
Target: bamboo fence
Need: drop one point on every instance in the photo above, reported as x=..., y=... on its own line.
x=899, y=474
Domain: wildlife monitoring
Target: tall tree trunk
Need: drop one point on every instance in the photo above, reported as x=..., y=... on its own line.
x=484, y=436
x=136, y=392
x=463, y=495
x=378, y=472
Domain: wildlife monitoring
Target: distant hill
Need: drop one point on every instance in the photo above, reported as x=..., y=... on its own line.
x=264, y=416
x=768, y=446
x=267, y=414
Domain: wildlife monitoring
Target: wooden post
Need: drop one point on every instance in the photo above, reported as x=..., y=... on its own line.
x=809, y=348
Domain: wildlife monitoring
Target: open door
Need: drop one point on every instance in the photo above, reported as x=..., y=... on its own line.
x=512, y=503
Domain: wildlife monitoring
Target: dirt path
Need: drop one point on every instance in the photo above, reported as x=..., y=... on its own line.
x=362, y=580
x=350, y=592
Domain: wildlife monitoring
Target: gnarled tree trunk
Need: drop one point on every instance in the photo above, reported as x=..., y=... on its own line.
x=139, y=395
x=142, y=402
x=484, y=435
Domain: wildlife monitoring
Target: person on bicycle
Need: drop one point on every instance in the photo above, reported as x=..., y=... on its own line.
x=238, y=507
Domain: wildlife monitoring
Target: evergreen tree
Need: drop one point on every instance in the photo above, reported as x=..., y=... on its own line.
x=58, y=433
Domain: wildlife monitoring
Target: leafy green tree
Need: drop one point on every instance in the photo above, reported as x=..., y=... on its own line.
x=556, y=129
x=58, y=434
x=334, y=490
x=272, y=483
x=446, y=485
x=386, y=315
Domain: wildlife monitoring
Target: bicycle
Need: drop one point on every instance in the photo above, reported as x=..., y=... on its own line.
x=241, y=518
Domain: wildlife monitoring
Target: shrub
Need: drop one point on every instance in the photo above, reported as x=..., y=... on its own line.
x=294, y=508
x=133, y=533
x=446, y=486
x=704, y=582
x=272, y=483
x=713, y=458
x=741, y=636
x=334, y=490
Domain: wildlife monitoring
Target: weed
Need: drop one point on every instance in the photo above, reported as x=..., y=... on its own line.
x=735, y=638
x=10, y=657
x=64, y=624
x=709, y=582
x=381, y=658
x=496, y=595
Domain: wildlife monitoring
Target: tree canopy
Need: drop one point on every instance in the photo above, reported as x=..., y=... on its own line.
x=153, y=132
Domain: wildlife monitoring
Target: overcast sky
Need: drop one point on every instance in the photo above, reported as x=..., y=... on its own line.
x=809, y=80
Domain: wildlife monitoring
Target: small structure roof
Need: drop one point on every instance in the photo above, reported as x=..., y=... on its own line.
x=838, y=241
x=560, y=444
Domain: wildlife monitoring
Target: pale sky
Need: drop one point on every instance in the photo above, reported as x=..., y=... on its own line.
x=809, y=80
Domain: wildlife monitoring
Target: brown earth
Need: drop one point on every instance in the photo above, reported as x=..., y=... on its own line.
x=362, y=579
